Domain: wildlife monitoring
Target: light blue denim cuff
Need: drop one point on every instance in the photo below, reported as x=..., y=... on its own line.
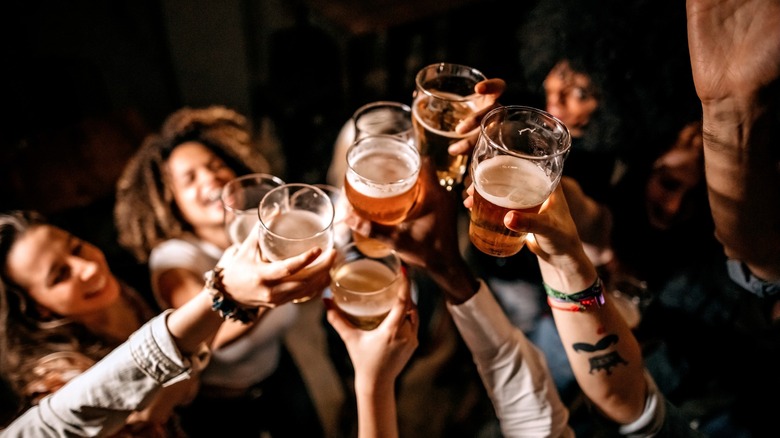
x=740, y=274
x=155, y=352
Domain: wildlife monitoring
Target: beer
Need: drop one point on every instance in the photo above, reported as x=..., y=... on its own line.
x=381, y=180
x=242, y=224
x=365, y=290
x=434, y=125
x=505, y=183
x=294, y=232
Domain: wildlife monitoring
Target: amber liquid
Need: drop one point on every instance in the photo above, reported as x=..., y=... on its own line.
x=434, y=125
x=366, y=291
x=372, y=189
x=504, y=184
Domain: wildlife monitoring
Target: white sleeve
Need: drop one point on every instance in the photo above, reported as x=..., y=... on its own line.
x=512, y=369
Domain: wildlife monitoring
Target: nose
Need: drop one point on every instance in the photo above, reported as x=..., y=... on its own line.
x=87, y=270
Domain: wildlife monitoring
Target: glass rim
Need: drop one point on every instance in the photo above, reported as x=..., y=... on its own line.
x=340, y=262
x=566, y=137
x=325, y=229
x=240, y=179
x=381, y=103
x=395, y=139
x=439, y=66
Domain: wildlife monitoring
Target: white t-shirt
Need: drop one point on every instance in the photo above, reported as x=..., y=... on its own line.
x=247, y=360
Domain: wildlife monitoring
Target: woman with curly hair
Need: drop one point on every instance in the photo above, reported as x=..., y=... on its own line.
x=169, y=214
x=61, y=311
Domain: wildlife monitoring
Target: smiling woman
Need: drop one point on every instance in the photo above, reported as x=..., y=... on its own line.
x=61, y=310
x=167, y=214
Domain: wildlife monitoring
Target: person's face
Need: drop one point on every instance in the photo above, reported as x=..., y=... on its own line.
x=65, y=276
x=675, y=174
x=197, y=176
x=570, y=97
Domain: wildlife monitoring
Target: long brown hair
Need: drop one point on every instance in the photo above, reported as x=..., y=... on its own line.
x=145, y=212
x=26, y=337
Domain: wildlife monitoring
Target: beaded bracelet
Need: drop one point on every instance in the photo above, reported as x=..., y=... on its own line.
x=222, y=303
x=576, y=302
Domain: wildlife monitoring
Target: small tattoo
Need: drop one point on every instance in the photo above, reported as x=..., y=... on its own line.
x=602, y=344
x=606, y=362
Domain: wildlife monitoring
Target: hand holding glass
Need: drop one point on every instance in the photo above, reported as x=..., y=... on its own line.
x=516, y=165
x=444, y=96
x=366, y=285
x=293, y=219
x=240, y=199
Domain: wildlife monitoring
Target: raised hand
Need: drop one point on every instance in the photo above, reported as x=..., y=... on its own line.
x=256, y=283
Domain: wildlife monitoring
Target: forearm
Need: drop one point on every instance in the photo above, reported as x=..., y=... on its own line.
x=513, y=370
x=454, y=278
x=193, y=323
x=99, y=400
x=742, y=156
x=604, y=355
x=376, y=409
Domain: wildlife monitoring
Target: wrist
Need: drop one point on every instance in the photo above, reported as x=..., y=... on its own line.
x=223, y=303
x=456, y=281
x=568, y=274
x=371, y=386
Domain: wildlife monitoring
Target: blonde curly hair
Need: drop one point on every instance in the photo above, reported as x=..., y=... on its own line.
x=145, y=212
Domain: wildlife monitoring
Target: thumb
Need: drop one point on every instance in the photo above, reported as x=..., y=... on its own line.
x=337, y=319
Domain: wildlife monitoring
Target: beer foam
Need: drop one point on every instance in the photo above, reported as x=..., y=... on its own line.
x=364, y=275
x=512, y=182
x=382, y=173
x=297, y=224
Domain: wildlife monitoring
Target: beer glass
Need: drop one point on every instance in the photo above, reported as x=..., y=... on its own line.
x=293, y=219
x=240, y=199
x=444, y=96
x=364, y=285
x=381, y=178
x=516, y=164
x=342, y=234
x=384, y=117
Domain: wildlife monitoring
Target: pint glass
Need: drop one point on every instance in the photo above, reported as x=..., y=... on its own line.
x=240, y=198
x=516, y=164
x=443, y=97
x=365, y=285
x=381, y=179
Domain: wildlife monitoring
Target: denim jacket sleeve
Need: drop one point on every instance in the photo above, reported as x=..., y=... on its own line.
x=97, y=402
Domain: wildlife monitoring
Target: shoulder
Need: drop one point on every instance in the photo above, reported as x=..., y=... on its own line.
x=187, y=252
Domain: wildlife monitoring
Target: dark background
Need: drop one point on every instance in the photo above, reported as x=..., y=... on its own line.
x=85, y=81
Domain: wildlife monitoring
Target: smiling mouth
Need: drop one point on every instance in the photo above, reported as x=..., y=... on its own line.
x=214, y=195
x=98, y=290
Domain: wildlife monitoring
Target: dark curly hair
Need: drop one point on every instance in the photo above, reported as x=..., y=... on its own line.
x=592, y=36
x=145, y=212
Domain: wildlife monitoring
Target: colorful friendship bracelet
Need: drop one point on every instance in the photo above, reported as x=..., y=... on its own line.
x=576, y=302
x=227, y=308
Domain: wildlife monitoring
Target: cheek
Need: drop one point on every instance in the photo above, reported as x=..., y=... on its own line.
x=63, y=301
x=186, y=200
x=580, y=112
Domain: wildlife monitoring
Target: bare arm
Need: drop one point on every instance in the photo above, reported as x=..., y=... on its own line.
x=604, y=354
x=378, y=357
x=735, y=57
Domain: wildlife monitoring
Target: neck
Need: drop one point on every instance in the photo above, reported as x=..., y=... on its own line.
x=214, y=235
x=116, y=322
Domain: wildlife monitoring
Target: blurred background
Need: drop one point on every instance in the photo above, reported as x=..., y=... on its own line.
x=86, y=81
